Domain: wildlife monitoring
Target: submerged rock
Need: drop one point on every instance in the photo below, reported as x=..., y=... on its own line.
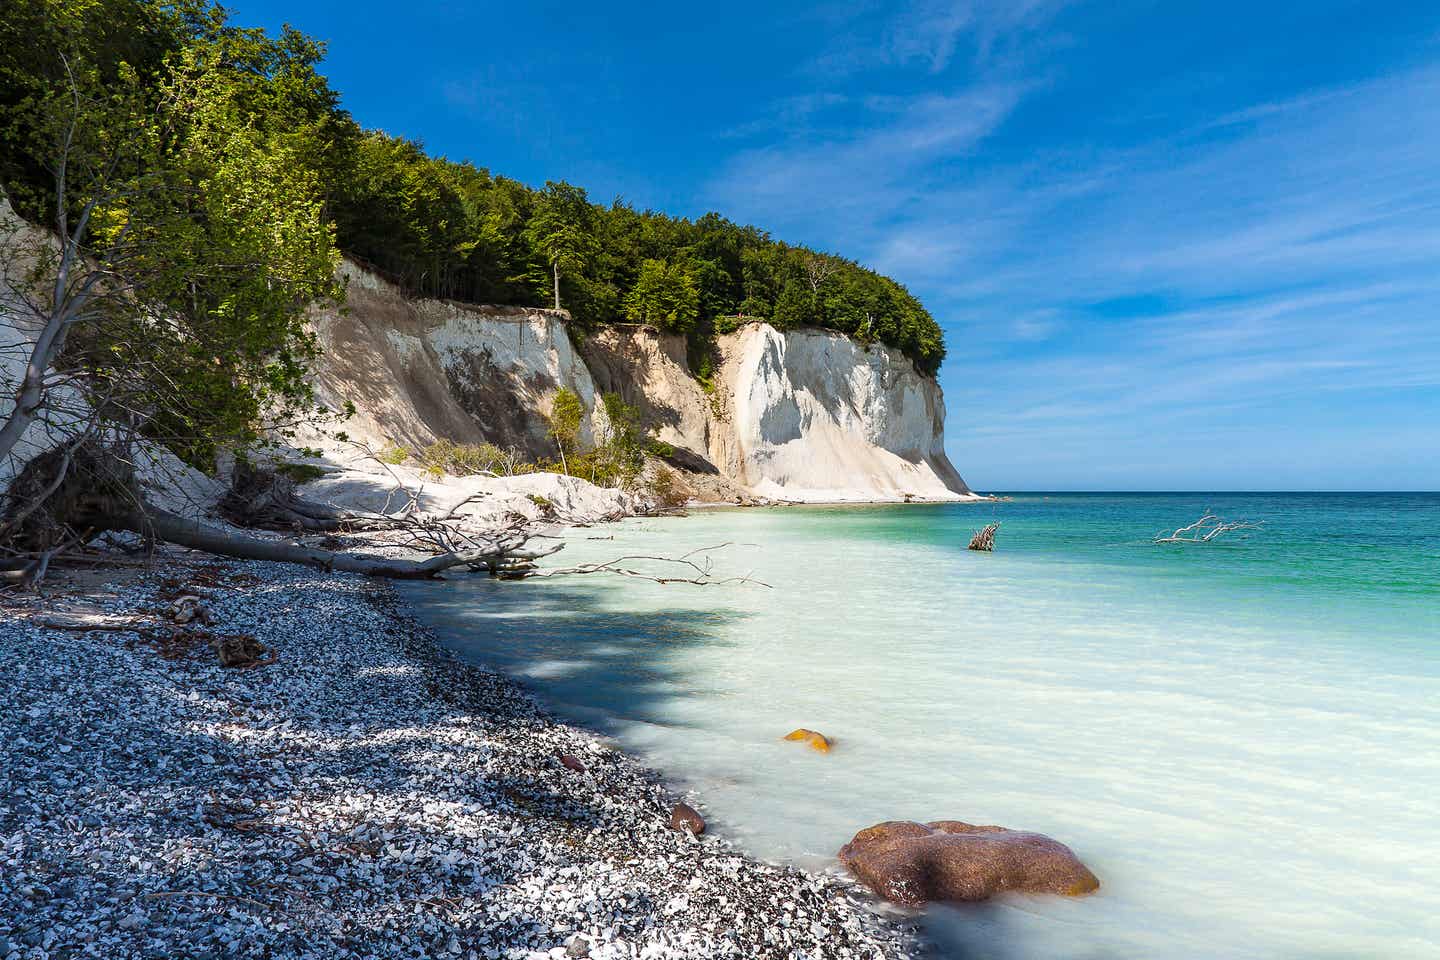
x=914, y=863
x=816, y=741
x=685, y=817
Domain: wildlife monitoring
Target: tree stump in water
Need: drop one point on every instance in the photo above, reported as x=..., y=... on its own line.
x=985, y=539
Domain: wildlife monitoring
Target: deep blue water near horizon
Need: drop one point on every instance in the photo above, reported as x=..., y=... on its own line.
x=1241, y=738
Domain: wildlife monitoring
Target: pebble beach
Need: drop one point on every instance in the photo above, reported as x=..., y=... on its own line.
x=356, y=792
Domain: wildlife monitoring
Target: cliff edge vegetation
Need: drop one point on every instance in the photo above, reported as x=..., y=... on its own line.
x=436, y=227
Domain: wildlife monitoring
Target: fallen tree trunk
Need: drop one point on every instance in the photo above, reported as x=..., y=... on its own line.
x=149, y=521
x=98, y=492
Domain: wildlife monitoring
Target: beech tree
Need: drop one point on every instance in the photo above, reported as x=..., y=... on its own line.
x=187, y=207
x=665, y=295
x=566, y=412
x=795, y=307
x=561, y=229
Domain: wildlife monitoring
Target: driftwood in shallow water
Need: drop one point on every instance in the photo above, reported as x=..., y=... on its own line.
x=1207, y=528
x=696, y=569
x=985, y=539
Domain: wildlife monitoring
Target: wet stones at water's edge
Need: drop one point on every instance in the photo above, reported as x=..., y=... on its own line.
x=364, y=794
x=685, y=818
x=948, y=860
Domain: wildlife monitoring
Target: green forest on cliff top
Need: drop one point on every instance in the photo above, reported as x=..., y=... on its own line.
x=436, y=227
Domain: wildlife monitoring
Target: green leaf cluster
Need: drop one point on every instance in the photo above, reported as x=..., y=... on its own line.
x=666, y=296
x=198, y=154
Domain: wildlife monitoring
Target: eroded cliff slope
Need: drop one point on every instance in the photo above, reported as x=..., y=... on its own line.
x=804, y=415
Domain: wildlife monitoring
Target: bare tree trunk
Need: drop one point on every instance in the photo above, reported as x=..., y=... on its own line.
x=555, y=267
x=69, y=297
x=160, y=524
x=67, y=308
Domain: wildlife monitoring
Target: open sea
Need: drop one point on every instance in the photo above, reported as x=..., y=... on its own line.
x=1241, y=739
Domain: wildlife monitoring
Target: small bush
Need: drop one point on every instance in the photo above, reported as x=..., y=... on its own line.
x=393, y=454
x=300, y=472
x=666, y=490
x=466, y=459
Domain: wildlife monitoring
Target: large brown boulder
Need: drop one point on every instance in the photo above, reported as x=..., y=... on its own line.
x=913, y=863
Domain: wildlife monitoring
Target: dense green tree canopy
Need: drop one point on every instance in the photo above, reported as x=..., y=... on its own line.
x=188, y=162
x=438, y=227
x=664, y=295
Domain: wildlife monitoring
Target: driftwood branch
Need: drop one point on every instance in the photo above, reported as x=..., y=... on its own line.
x=1207, y=528
x=86, y=621
x=699, y=571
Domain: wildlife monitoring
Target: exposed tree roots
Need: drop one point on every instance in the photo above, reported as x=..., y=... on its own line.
x=985, y=539
x=96, y=492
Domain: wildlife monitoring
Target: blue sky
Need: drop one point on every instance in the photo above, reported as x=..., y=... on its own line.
x=1173, y=245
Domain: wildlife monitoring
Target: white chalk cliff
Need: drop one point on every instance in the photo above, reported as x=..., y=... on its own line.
x=806, y=415
x=819, y=416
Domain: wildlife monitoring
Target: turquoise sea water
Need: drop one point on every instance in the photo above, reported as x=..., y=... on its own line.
x=1242, y=739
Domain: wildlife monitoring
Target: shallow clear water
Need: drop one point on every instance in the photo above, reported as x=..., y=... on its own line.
x=1241, y=739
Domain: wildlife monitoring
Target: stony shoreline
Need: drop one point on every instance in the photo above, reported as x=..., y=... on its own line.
x=365, y=794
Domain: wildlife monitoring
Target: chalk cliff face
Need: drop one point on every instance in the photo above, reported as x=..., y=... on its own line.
x=817, y=415
x=805, y=415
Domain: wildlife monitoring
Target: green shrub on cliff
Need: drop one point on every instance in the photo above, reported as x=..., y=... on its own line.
x=465, y=459
x=567, y=411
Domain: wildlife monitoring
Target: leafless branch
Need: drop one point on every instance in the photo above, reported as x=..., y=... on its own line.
x=1207, y=528
x=701, y=573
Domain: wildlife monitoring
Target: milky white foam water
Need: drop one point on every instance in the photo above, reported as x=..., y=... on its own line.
x=1242, y=740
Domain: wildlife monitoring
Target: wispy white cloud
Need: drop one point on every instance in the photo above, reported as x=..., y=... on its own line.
x=930, y=34
x=789, y=114
x=869, y=174
x=1272, y=265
